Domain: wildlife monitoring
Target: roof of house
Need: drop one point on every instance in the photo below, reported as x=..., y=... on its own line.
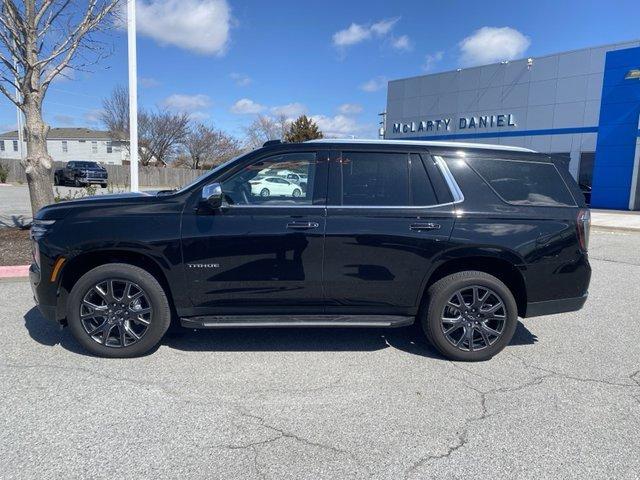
x=78, y=133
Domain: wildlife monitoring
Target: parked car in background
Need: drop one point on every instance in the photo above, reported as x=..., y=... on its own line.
x=80, y=174
x=460, y=238
x=275, y=187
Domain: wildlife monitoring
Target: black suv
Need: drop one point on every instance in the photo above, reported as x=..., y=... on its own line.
x=81, y=173
x=461, y=238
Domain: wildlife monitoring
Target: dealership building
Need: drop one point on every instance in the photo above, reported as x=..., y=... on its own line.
x=583, y=105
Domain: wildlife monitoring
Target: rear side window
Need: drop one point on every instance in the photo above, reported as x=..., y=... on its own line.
x=524, y=183
x=385, y=179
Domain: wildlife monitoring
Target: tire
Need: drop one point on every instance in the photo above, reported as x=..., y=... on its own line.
x=103, y=185
x=153, y=298
x=471, y=285
x=265, y=192
x=76, y=182
x=297, y=193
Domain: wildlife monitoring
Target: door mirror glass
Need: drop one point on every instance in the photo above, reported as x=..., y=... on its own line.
x=212, y=195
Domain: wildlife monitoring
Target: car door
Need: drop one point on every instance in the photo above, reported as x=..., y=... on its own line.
x=385, y=223
x=259, y=254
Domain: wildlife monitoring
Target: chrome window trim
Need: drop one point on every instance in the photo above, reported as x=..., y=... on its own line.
x=457, y=194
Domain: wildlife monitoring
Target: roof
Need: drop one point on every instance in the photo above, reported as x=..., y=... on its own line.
x=79, y=133
x=423, y=143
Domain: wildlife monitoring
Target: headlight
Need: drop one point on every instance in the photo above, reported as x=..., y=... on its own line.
x=39, y=228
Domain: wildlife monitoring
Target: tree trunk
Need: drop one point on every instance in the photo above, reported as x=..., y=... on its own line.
x=38, y=165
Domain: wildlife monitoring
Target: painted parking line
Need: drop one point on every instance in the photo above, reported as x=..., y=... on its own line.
x=14, y=271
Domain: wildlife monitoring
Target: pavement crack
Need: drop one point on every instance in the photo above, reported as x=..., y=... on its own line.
x=591, y=257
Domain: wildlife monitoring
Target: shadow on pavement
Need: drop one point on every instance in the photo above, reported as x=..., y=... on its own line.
x=407, y=339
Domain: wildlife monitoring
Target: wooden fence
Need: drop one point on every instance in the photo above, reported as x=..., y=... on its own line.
x=119, y=174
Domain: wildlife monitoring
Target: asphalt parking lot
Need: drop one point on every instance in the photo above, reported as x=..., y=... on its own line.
x=563, y=401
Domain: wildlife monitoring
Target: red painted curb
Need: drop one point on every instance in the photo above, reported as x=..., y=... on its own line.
x=14, y=271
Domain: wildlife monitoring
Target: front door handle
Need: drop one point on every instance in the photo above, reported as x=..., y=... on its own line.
x=423, y=227
x=302, y=225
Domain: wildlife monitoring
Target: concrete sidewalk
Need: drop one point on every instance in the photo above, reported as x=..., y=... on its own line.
x=615, y=219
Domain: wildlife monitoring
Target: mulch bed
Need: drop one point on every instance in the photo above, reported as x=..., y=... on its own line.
x=15, y=247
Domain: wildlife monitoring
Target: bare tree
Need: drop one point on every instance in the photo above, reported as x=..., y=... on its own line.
x=159, y=134
x=47, y=38
x=265, y=128
x=208, y=147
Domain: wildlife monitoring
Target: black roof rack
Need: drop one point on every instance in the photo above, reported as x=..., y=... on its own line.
x=268, y=143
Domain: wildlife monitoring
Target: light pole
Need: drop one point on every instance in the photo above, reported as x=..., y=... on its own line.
x=133, y=94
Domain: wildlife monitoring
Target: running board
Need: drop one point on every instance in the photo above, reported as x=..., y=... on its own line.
x=261, y=321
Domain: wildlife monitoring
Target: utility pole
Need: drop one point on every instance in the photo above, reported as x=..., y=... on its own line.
x=133, y=94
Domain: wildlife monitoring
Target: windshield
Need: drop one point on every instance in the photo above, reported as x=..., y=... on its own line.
x=208, y=174
x=86, y=164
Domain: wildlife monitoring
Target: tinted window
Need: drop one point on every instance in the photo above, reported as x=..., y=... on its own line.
x=263, y=182
x=422, y=192
x=374, y=179
x=524, y=183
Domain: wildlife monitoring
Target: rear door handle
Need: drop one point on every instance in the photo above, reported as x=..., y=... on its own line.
x=302, y=225
x=422, y=227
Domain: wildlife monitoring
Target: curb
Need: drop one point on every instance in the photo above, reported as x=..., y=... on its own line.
x=14, y=271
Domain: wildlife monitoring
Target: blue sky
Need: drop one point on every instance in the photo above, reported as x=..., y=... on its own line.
x=225, y=61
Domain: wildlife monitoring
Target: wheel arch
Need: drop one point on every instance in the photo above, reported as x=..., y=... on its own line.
x=86, y=261
x=505, y=270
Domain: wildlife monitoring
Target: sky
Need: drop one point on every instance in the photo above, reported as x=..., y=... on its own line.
x=226, y=61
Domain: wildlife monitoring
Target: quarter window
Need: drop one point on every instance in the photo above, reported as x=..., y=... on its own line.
x=264, y=182
x=524, y=183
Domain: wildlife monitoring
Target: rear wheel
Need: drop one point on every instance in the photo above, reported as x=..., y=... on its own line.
x=103, y=185
x=265, y=192
x=297, y=192
x=471, y=316
x=118, y=310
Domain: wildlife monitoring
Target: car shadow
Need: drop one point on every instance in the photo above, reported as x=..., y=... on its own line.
x=406, y=339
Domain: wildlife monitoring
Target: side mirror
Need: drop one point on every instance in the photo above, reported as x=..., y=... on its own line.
x=212, y=195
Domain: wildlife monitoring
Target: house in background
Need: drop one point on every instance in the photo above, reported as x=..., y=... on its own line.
x=66, y=144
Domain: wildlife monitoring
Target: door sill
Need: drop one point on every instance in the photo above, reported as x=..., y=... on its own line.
x=295, y=321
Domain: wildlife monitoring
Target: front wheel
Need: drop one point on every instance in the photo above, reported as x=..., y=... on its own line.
x=471, y=316
x=103, y=185
x=76, y=182
x=265, y=192
x=297, y=193
x=118, y=310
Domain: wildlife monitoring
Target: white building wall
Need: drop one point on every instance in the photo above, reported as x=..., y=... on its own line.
x=90, y=150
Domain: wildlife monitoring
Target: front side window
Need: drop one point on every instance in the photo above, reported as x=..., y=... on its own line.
x=385, y=179
x=265, y=182
x=524, y=183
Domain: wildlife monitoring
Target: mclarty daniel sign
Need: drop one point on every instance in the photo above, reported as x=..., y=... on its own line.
x=461, y=124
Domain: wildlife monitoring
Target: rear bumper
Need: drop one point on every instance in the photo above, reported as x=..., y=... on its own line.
x=549, y=307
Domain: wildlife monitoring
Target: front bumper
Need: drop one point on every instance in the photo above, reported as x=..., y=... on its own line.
x=550, y=307
x=48, y=311
x=90, y=180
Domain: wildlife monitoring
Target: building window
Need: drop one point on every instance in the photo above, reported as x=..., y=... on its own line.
x=1, y=145
x=109, y=147
x=15, y=145
x=585, y=172
x=65, y=147
x=94, y=147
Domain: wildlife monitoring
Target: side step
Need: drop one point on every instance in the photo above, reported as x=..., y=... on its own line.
x=260, y=321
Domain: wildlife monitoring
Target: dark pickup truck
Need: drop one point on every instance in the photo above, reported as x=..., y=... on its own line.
x=80, y=174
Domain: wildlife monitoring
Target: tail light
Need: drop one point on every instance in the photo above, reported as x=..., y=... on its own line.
x=584, y=226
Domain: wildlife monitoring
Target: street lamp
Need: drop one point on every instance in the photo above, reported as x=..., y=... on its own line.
x=133, y=94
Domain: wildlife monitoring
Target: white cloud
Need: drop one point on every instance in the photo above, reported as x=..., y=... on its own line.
x=199, y=116
x=492, y=44
x=384, y=26
x=201, y=26
x=246, y=106
x=241, y=79
x=290, y=110
x=374, y=84
x=186, y=103
x=148, y=82
x=350, y=108
x=64, y=120
x=357, y=33
x=430, y=59
x=8, y=127
x=341, y=126
x=92, y=116
x=401, y=43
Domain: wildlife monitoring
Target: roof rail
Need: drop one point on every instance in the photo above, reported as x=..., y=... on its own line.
x=268, y=143
x=424, y=143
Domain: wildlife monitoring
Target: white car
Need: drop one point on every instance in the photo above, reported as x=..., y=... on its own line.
x=274, y=187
